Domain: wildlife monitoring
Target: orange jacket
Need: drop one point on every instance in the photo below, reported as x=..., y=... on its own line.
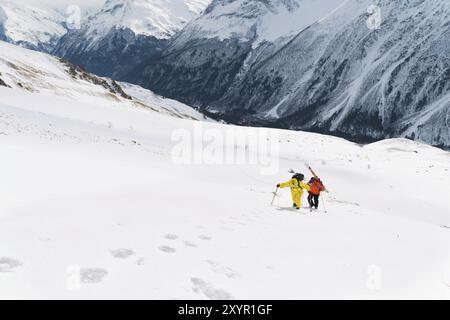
x=316, y=186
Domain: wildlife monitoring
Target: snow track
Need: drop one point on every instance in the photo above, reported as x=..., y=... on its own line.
x=91, y=210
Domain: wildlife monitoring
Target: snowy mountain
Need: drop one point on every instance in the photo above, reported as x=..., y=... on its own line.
x=40, y=74
x=124, y=33
x=31, y=26
x=335, y=71
x=257, y=20
x=95, y=203
x=95, y=207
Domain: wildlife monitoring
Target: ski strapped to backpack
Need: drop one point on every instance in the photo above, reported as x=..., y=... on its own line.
x=315, y=175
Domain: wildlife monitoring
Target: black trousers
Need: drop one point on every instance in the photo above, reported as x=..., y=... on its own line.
x=313, y=200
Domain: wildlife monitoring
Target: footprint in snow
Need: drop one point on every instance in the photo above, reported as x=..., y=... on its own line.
x=226, y=271
x=92, y=275
x=122, y=253
x=345, y=202
x=171, y=236
x=202, y=287
x=167, y=249
x=9, y=264
x=235, y=220
x=190, y=244
x=205, y=238
x=140, y=262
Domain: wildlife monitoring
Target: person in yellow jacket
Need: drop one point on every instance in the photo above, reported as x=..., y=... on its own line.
x=297, y=188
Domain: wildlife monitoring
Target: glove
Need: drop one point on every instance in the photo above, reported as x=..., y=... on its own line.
x=278, y=185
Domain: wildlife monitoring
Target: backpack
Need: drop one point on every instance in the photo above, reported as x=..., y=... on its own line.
x=299, y=177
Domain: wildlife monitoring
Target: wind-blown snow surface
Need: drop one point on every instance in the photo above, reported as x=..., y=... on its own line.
x=90, y=193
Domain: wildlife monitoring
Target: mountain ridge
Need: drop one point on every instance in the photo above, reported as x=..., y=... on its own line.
x=31, y=26
x=36, y=73
x=336, y=76
x=126, y=33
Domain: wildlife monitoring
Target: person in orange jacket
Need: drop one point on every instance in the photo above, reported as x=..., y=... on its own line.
x=297, y=188
x=316, y=187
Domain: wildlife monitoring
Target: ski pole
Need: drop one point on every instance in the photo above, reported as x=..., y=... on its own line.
x=274, y=195
x=323, y=203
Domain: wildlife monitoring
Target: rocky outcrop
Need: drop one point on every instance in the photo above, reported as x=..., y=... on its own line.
x=339, y=75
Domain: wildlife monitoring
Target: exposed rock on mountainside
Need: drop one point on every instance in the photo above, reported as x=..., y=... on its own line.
x=338, y=74
x=30, y=26
x=124, y=33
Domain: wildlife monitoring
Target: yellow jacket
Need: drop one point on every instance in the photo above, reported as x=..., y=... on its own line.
x=295, y=185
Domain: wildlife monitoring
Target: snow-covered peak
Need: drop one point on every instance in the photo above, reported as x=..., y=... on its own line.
x=158, y=18
x=197, y=6
x=35, y=27
x=264, y=20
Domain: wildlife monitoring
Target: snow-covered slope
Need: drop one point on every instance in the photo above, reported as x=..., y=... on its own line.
x=258, y=20
x=157, y=18
x=93, y=206
x=39, y=73
x=31, y=26
x=124, y=33
x=202, y=61
x=340, y=73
